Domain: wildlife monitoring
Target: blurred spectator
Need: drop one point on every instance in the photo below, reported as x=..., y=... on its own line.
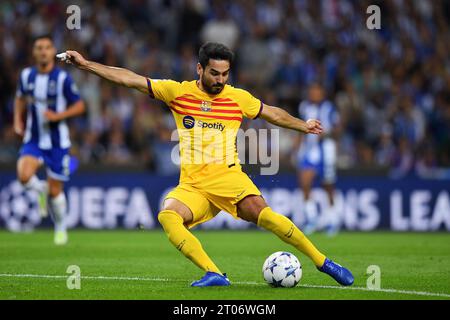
x=426, y=163
x=117, y=152
x=403, y=162
x=9, y=146
x=220, y=28
x=91, y=150
x=385, y=149
x=391, y=86
x=408, y=121
x=163, y=147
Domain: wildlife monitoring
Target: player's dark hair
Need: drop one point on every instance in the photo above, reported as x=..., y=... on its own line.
x=216, y=51
x=43, y=36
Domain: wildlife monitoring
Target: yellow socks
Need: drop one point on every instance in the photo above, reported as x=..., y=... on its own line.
x=189, y=245
x=289, y=233
x=185, y=241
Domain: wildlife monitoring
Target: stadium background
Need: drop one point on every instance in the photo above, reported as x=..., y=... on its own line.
x=391, y=86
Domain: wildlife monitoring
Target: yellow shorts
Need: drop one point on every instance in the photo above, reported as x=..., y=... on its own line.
x=207, y=196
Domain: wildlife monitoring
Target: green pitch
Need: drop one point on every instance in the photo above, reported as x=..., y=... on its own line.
x=143, y=265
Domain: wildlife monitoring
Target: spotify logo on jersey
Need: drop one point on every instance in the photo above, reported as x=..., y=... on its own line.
x=188, y=122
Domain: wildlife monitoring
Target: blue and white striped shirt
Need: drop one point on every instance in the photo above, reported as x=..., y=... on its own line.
x=46, y=91
x=313, y=147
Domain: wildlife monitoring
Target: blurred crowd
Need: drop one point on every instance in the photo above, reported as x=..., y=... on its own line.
x=391, y=86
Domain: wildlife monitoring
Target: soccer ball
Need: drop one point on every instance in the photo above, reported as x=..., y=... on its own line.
x=282, y=269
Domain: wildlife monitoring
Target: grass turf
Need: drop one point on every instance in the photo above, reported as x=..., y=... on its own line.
x=408, y=261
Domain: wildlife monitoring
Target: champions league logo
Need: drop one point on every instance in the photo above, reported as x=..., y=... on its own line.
x=18, y=208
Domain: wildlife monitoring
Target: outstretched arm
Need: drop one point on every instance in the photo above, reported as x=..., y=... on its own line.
x=117, y=75
x=281, y=118
x=19, y=109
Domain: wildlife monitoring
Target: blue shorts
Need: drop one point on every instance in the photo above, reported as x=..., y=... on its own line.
x=327, y=174
x=323, y=162
x=60, y=164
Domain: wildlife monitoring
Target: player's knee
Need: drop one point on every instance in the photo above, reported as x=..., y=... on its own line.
x=254, y=215
x=167, y=217
x=24, y=176
x=251, y=210
x=54, y=190
x=53, y=193
x=248, y=208
x=178, y=208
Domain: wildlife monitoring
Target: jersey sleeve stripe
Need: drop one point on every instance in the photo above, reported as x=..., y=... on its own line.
x=204, y=115
x=150, y=90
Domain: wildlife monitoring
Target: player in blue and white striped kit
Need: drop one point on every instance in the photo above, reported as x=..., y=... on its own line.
x=316, y=157
x=48, y=96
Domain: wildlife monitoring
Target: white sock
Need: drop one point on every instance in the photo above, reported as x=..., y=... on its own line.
x=332, y=217
x=36, y=184
x=59, y=209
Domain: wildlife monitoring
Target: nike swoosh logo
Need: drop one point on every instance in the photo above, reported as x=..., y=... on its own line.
x=290, y=232
x=240, y=193
x=181, y=245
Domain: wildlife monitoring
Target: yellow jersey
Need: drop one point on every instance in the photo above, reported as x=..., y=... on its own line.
x=207, y=125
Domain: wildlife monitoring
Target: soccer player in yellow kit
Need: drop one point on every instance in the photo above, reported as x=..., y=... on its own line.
x=208, y=114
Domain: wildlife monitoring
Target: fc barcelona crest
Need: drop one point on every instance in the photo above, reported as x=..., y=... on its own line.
x=206, y=106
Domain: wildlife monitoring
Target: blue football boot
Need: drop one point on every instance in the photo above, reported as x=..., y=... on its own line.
x=342, y=275
x=211, y=279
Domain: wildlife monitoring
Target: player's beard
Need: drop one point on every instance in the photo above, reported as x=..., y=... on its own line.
x=212, y=89
x=44, y=62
